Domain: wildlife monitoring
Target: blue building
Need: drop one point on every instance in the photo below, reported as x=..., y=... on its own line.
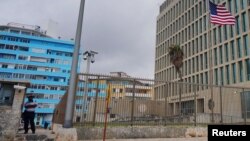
x=26, y=52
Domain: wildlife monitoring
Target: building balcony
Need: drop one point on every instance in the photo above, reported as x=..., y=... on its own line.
x=142, y=95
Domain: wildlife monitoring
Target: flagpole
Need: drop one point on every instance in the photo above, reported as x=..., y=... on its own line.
x=210, y=53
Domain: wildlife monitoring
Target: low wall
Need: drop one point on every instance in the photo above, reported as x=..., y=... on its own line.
x=93, y=133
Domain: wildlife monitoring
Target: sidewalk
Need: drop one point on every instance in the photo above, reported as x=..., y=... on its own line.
x=158, y=139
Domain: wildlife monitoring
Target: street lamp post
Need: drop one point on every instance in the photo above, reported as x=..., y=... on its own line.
x=89, y=56
x=69, y=111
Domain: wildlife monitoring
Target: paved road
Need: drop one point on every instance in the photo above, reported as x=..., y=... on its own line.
x=159, y=139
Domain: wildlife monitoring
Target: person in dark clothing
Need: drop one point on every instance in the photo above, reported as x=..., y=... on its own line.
x=29, y=115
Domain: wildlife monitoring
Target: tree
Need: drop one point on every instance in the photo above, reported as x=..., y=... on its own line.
x=176, y=58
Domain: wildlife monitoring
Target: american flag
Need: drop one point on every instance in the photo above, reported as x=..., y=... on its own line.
x=220, y=15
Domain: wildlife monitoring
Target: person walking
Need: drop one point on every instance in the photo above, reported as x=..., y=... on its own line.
x=29, y=115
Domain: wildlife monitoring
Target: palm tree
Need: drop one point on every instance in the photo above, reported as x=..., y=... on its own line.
x=176, y=58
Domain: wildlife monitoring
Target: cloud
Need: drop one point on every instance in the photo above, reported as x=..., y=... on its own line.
x=121, y=31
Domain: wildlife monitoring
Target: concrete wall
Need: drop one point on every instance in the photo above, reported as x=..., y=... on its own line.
x=10, y=115
x=59, y=114
x=141, y=132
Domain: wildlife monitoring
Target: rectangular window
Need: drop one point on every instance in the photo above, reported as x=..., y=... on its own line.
x=234, y=72
x=197, y=45
x=225, y=32
x=239, y=48
x=200, y=25
x=243, y=4
x=216, y=76
x=226, y=52
x=204, y=6
x=205, y=58
x=221, y=76
x=248, y=68
x=245, y=44
x=205, y=41
x=244, y=22
x=230, y=6
x=197, y=63
x=221, y=55
x=206, y=77
x=241, y=71
x=219, y=32
x=193, y=63
x=196, y=11
x=215, y=37
x=231, y=32
x=236, y=6
x=232, y=50
x=237, y=25
x=201, y=43
x=215, y=57
x=4, y=66
x=228, y=74
x=201, y=57
x=205, y=22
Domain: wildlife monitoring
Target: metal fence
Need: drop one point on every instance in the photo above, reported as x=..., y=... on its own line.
x=126, y=101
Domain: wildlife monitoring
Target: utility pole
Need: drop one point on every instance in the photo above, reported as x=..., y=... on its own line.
x=68, y=120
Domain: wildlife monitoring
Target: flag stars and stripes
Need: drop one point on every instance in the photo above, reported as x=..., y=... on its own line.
x=220, y=15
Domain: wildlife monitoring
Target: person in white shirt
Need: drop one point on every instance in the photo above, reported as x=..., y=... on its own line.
x=29, y=115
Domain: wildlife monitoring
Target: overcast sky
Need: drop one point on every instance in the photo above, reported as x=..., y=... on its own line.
x=121, y=31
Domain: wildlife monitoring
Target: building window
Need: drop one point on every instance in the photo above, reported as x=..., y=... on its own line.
x=205, y=57
x=219, y=34
x=232, y=50
x=231, y=32
x=24, y=40
x=221, y=54
x=230, y=6
x=221, y=76
x=241, y=71
x=245, y=42
x=243, y=4
x=21, y=57
x=234, y=72
x=201, y=57
x=205, y=22
x=4, y=66
x=239, y=48
x=244, y=24
x=228, y=74
x=206, y=77
x=216, y=76
x=248, y=69
x=205, y=41
x=225, y=32
x=13, y=39
x=215, y=57
x=215, y=37
x=226, y=52
x=237, y=25
x=236, y=6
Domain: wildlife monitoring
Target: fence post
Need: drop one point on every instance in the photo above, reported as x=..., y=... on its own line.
x=96, y=97
x=195, y=105
x=166, y=92
x=133, y=102
x=245, y=103
x=221, y=108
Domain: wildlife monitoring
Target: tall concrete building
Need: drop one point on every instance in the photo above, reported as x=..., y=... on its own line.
x=27, y=53
x=186, y=23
